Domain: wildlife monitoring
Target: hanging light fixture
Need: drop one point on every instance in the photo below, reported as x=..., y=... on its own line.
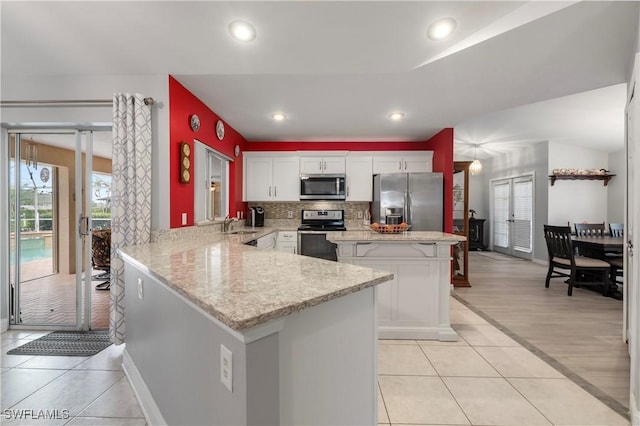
x=475, y=167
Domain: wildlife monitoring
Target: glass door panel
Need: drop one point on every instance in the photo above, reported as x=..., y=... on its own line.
x=42, y=288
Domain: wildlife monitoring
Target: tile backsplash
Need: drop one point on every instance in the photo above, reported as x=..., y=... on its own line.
x=276, y=214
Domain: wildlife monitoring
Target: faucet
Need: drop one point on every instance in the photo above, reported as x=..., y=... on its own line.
x=227, y=225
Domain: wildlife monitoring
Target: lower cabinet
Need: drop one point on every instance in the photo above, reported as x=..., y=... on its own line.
x=415, y=304
x=267, y=242
x=287, y=242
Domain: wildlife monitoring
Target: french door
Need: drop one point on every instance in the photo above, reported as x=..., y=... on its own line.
x=512, y=216
x=51, y=194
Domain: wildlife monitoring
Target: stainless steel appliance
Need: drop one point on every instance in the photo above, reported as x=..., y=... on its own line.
x=322, y=187
x=414, y=198
x=312, y=233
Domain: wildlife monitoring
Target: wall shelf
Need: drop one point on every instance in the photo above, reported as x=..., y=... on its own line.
x=605, y=178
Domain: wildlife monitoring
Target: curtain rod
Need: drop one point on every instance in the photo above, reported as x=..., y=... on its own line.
x=70, y=102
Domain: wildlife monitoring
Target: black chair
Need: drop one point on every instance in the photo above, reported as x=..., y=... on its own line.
x=562, y=258
x=589, y=229
x=617, y=270
x=616, y=230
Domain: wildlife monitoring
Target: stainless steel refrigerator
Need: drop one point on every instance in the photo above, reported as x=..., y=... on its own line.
x=414, y=198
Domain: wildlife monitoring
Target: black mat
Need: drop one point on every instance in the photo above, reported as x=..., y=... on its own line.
x=65, y=343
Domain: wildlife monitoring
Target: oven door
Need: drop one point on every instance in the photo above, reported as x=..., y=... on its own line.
x=315, y=244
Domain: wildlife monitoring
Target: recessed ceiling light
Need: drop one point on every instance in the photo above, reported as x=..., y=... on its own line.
x=278, y=116
x=395, y=116
x=441, y=28
x=242, y=31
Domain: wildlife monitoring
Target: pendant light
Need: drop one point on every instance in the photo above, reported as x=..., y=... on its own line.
x=475, y=167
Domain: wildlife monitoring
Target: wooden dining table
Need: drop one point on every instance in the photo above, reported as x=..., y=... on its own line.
x=601, y=248
x=598, y=247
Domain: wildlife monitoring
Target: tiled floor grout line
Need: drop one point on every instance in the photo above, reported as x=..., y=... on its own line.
x=384, y=404
x=588, y=387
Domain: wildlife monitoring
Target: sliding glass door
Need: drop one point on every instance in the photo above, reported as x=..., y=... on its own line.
x=53, y=193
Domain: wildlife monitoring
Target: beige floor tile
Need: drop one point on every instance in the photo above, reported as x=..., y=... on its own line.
x=403, y=360
x=565, y=403
x=458, y=361
x=420, y=400
x=514, y=361
x=107, y=359
x=18, y=384
x=101, y=421
x=459, y=342
x=72, y=391
x=10, y=361
x=484, y=335
x=456, y=304
x=118, y=401
x=465, y=316
x=383, y=417
x=396, y=342
x=493, y=401
x=53, y=362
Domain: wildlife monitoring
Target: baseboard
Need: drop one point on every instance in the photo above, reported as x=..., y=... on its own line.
x=635, y=410
x=540, y=262
x=441, y=333
x=4, y=324
x=148, y=405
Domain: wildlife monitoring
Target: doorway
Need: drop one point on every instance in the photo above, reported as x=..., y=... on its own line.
x=512, y=215
x=56, y=186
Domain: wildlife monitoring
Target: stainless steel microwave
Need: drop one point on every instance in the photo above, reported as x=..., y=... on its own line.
x=322, y=187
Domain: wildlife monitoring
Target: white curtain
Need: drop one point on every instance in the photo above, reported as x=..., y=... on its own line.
x=131, y=194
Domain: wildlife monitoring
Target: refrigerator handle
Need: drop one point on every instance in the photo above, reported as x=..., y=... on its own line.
x=407, y=208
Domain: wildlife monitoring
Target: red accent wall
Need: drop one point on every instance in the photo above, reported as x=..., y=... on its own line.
x=183, y=104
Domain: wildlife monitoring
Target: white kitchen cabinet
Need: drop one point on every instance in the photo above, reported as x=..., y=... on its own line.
x=267, y=241
x=418, y=162
x=287, y=242
x=271, y=178
x=322, y=165
x=359, y=185
x=415, y=304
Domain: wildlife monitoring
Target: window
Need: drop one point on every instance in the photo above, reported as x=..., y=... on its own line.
x=211, y=183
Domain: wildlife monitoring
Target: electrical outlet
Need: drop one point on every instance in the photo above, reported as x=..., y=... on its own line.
x=359, y=214
x=140, y=289
x=226, y=367
x=184, y=218
x=290, y=214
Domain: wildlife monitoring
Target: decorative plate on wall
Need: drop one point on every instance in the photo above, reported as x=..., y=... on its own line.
x=194, y=121
x=185, y=162
x=220, y=129
x=236, y=150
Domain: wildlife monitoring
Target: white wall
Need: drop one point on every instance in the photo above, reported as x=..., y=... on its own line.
x=577, y=200
x=84, y=87
x=616, y=186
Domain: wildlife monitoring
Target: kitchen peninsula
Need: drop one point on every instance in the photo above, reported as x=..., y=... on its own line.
x=415, y=304
x=222, y=333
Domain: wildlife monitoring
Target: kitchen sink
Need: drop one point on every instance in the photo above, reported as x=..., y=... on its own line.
x=241, y=231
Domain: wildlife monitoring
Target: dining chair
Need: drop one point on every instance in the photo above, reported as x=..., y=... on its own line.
x=617, y=270
x=101, y=257
x=616, y=229
x=589, y=229
x=563, y=262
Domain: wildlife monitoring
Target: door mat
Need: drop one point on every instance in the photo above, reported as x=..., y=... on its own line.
x=66, y=343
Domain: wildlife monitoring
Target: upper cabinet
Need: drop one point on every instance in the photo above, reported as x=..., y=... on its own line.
x=271, y=178
x=408, y=162
x=359, y=178
x=322, y=165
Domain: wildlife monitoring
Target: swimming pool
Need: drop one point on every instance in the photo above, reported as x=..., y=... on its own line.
x=33, y=249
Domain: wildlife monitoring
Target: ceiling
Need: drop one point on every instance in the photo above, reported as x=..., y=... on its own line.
x=512, y=73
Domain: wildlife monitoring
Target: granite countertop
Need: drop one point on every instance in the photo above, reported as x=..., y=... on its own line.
x=408, y=237
x=243, y=286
